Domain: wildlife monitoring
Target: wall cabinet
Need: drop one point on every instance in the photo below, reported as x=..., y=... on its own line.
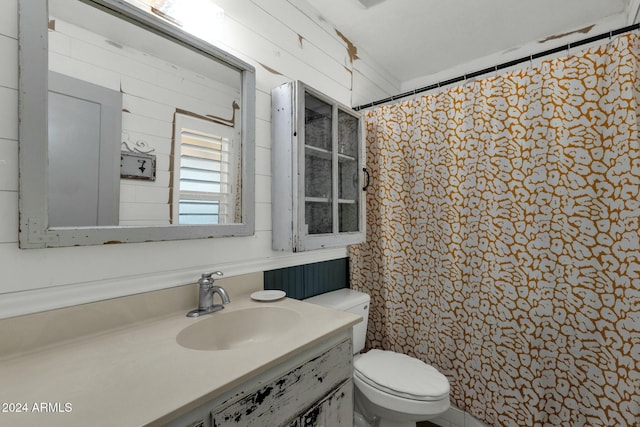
x=318, y=171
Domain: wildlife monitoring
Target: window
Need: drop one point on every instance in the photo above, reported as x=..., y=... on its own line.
x=203, y=185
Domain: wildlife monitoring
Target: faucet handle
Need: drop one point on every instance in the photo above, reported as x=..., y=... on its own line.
x=210, y=275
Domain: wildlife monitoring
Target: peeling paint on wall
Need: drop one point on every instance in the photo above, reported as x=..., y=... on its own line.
x=352, y=50
x=584, y=30
x=52, y=24
x=210, y=117
x=271, y=70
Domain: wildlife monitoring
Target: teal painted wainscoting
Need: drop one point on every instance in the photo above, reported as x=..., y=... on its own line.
x=305, y=281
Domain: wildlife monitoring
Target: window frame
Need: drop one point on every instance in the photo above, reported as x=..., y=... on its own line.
x=227, y=136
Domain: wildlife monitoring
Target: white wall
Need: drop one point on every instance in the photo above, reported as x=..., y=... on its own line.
x=285, y=40
x=602, y=26
x=282, y=40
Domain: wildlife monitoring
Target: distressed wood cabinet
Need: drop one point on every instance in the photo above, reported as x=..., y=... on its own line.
x=317, y=170
x=315, y=393
x=311, y=389
x=331, y=411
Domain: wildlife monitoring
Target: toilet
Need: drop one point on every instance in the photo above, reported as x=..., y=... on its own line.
x=390, y=389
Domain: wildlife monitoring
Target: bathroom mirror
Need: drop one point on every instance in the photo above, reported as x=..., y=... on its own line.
x=131, y=129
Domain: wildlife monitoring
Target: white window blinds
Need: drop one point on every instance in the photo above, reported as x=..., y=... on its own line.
x=201, y=172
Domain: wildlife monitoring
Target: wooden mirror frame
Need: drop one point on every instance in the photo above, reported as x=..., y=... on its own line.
x=34, y=230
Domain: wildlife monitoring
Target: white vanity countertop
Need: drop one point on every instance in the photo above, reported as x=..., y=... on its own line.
x=139, y=375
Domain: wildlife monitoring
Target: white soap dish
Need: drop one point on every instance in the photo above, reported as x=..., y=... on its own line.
x=270, y=295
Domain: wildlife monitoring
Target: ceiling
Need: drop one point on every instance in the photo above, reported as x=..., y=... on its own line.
x=412, y=39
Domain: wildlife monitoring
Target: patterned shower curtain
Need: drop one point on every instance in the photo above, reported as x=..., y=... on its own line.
x=503, y=239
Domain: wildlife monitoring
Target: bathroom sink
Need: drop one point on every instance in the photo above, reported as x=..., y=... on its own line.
x=239, y=328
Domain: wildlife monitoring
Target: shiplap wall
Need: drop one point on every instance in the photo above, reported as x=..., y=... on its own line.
x=152, y=87
x=284, y=40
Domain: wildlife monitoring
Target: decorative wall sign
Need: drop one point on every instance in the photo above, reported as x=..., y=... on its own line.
x=137, y=166
x=138, y=146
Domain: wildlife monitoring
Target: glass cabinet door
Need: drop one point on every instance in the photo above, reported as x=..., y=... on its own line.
x=348, y=188
x=331, y=153
x=318, y=170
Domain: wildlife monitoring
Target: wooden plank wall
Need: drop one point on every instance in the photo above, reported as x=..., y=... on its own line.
x=284, y=40
x=152, y=89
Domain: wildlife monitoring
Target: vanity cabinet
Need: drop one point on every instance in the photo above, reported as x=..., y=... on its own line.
x=315, y=393
x=312, y=389
x=318, y=171
x=330, y=411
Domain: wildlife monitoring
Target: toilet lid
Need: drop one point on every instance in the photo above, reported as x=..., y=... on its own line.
x=401, y=375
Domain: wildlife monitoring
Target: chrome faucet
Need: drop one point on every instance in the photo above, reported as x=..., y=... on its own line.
x=206, y=289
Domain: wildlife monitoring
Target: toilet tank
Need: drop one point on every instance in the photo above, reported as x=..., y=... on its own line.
x=353, y=302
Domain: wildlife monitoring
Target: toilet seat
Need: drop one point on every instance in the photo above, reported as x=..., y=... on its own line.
x=394, y=407
x=401, y=376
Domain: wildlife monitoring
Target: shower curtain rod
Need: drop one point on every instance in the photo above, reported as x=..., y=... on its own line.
x=508, y=64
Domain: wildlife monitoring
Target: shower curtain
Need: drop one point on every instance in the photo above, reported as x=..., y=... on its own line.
x=503, y=239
